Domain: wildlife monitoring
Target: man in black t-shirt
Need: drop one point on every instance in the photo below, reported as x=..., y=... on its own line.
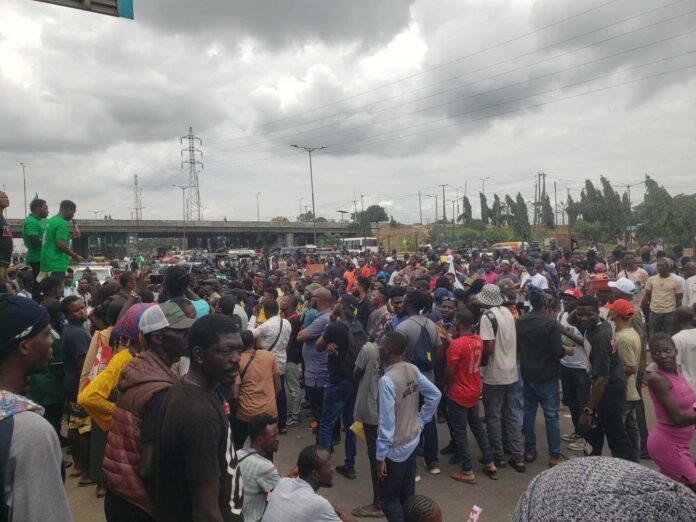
x=6, y=246
x=197, y=472
x=340, y=392
x=607, y=407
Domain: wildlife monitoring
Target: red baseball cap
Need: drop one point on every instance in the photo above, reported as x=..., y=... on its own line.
x=573, y=292
x=621, y=307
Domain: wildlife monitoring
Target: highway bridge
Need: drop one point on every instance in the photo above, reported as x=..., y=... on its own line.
x=112, y=237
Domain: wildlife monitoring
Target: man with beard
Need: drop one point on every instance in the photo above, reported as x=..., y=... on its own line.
x=197, y=473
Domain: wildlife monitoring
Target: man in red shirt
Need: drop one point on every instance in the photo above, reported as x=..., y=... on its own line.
x=463, y=389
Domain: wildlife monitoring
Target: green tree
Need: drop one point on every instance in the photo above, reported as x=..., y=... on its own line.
x=521, y=217
x=510, y=211
x=572, y=209
x=547, y=215
x=496, y=211
x=485, y=213
x=656, y=213
x=372, y=214
x=612, y=217
x=465, y=216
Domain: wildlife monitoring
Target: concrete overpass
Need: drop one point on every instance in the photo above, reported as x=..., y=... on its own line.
x=113, y=237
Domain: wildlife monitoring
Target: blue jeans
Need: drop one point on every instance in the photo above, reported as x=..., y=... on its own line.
x=545, y=394
x=339, y=402
x=459, y=417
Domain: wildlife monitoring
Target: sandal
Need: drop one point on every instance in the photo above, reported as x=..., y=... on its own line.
x=530, y=457
x=519, y=467
x=85, y=483
x=491, y=471
x=363, y=512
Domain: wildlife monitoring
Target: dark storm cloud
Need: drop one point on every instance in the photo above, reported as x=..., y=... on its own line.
x=280, y=23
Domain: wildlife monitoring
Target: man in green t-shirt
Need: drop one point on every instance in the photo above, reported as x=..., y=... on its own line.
x=32, y=235
x=56, y=253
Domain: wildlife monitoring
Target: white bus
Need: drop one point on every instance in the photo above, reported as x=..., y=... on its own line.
x=358, y=245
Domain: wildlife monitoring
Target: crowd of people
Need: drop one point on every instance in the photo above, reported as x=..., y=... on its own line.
x=174, y=396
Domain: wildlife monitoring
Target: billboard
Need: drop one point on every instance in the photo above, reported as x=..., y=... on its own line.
x=120, y=8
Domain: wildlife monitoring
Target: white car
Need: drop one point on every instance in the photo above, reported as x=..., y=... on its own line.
x=101, y=271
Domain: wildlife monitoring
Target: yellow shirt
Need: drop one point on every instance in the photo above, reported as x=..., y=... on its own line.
x=95, y=397
x=664, y=291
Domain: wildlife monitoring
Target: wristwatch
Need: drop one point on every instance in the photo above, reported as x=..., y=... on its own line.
x=587, y=410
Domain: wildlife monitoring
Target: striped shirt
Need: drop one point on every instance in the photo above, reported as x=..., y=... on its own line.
x=259, y=476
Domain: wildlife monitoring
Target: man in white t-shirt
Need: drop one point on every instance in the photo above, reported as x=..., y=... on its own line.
x=531, y=276
x=497, y=329
x=685, y=341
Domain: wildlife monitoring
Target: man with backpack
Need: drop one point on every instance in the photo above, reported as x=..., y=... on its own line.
x=342, y=339
x=422, y=342
x=497, y=329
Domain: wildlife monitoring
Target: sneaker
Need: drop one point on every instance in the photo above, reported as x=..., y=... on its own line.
x=558, y=460
x=578, y=445
x=347, y=472
x=570, y=437
x=292, y=423
x=433, y=468
x=418, y=478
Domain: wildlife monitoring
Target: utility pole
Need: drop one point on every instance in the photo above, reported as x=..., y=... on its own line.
x=435, y=224
x=444, y=211
x=483, y=184
x=183, y=213
x=536, y=202
x=555, y=206
x=453, y=218
x=193, y=207
x=24, y=179
x=420, y=207
x=311, y=180
x=362, y=217
x=258, y=213
x=355, y=207
x=301, y=206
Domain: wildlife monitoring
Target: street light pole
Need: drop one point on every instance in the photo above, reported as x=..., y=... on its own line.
x=311, y=180
x=24, y=179
x=483, y=184
x=258, y=213
x=183, y=213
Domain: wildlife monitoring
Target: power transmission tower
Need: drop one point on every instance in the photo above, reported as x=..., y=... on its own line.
x=137, y=199
x=193, y=200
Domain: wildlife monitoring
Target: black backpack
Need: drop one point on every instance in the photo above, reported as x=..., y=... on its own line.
x=424, y=352
x=357, y=337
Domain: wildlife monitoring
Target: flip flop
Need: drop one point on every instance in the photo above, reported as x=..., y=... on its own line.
x=75, y=473
x=361, y=512
x=519, y=467
x=82, y=484
x=492, y=474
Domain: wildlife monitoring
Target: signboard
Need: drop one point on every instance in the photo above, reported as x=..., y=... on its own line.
x=314, y=269
x=120, y=8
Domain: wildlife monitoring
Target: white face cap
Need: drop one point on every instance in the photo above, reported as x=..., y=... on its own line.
x=624, y=285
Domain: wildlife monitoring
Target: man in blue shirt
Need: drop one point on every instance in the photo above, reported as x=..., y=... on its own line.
x=397, y=437
x=316, y=372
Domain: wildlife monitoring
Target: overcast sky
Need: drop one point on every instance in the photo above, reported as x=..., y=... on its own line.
x=405, y=95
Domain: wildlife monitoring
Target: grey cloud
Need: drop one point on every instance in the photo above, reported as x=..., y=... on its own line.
x=279, y=23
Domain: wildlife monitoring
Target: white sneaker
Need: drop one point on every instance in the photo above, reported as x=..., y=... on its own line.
x=578, y=445
x=433, y=468
x=570, y=437
x=418, y=478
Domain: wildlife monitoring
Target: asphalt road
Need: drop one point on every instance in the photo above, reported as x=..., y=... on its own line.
x=496, y=498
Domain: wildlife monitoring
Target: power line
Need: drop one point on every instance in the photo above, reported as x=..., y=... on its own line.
x=445, y=64
x=456, y=124
x=512, y=59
